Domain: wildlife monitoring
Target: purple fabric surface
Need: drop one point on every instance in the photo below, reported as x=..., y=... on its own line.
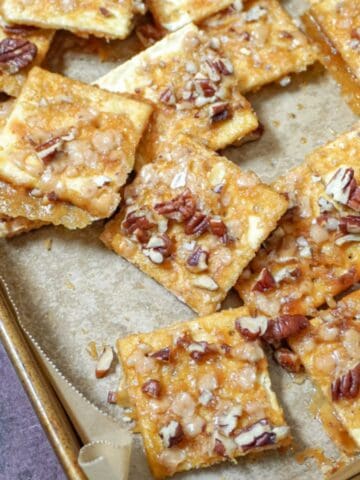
x=25, y=453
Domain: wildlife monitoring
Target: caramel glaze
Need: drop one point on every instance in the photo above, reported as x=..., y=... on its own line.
x=322, y=409
x=333, y=62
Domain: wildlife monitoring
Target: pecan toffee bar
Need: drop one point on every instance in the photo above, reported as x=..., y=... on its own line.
x=193, y=221
x=193, y=87
x=340, y=22
x=201, y=393
x=21, y=48
x=314, y=253
x=71, y=142
x=262, y=42
x=103, y=18
x=174, y=15
x=330, y=351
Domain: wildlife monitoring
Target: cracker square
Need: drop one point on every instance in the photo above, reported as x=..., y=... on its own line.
x=330, y=351
x=262, y=41
x=340, y=21
x=201, y=394
x=10, y=227
x=192, y=86
x=314, y=254
x=102, y=18
x=174, y=15
x=71, y=142
x=29, y=46
x=193, y=221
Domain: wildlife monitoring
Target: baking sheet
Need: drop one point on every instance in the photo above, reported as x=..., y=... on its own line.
x=79, y=292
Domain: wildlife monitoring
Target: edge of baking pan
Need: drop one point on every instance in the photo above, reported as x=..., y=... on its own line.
x=46, y=404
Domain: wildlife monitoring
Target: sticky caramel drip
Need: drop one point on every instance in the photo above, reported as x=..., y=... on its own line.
x=333, y=62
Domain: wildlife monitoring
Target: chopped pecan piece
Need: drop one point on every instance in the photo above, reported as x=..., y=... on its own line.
x=288, y=360
x=168, y=96
x=172, y=434
x=217, y=227
x=48, y=149
x=179, y=208
x=200, y=350
x=219, y=111
x=152, y=388
x=219, y=448
x=162, y=355
x=16, y=54
x=284, y=327
x=20, y=30
x=162, y=244
x=264, y=282
x=205, y=87
x=354, y=200
x=104, y=362
x=342, y=185
x=197, y=224
x=184, y=340
x=136, y=223
x=258, y=434
x=251, y=327
x=198, y=259
x=347, y=386
x=105, y=12
x=223, y=66
x=112, y=397
x=350, y=224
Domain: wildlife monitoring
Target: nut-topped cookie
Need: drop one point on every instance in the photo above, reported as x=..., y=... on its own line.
x=201, y=394
x=102, y=18
x=192, y=84
x=21, y=48
x=71, y=142
x=340, y=22
x=193, y=220
x=330, y=351
x=262, y=41
x=314, y=254
x=174, y=15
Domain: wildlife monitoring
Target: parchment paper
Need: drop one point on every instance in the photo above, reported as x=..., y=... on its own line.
x=79, y=291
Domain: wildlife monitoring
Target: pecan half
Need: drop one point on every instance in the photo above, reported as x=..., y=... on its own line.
x=151, y=388
x=288, y=359
x=16, y=54
x=264, y=282
x=172, y=434
x=20, y=30
x=197, y=224
x=179, y=208
x=136, y=223
x=284, y=327
x=162, y=355
x=347, y=386
x=219, y=111
x=350, y=224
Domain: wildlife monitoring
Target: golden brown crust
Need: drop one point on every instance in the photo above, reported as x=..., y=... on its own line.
x=262, y=42
x=330, y=351
x=208, y=380
x=71, y=142
x=103, y=18
x=311, y=256
x=247, y=209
